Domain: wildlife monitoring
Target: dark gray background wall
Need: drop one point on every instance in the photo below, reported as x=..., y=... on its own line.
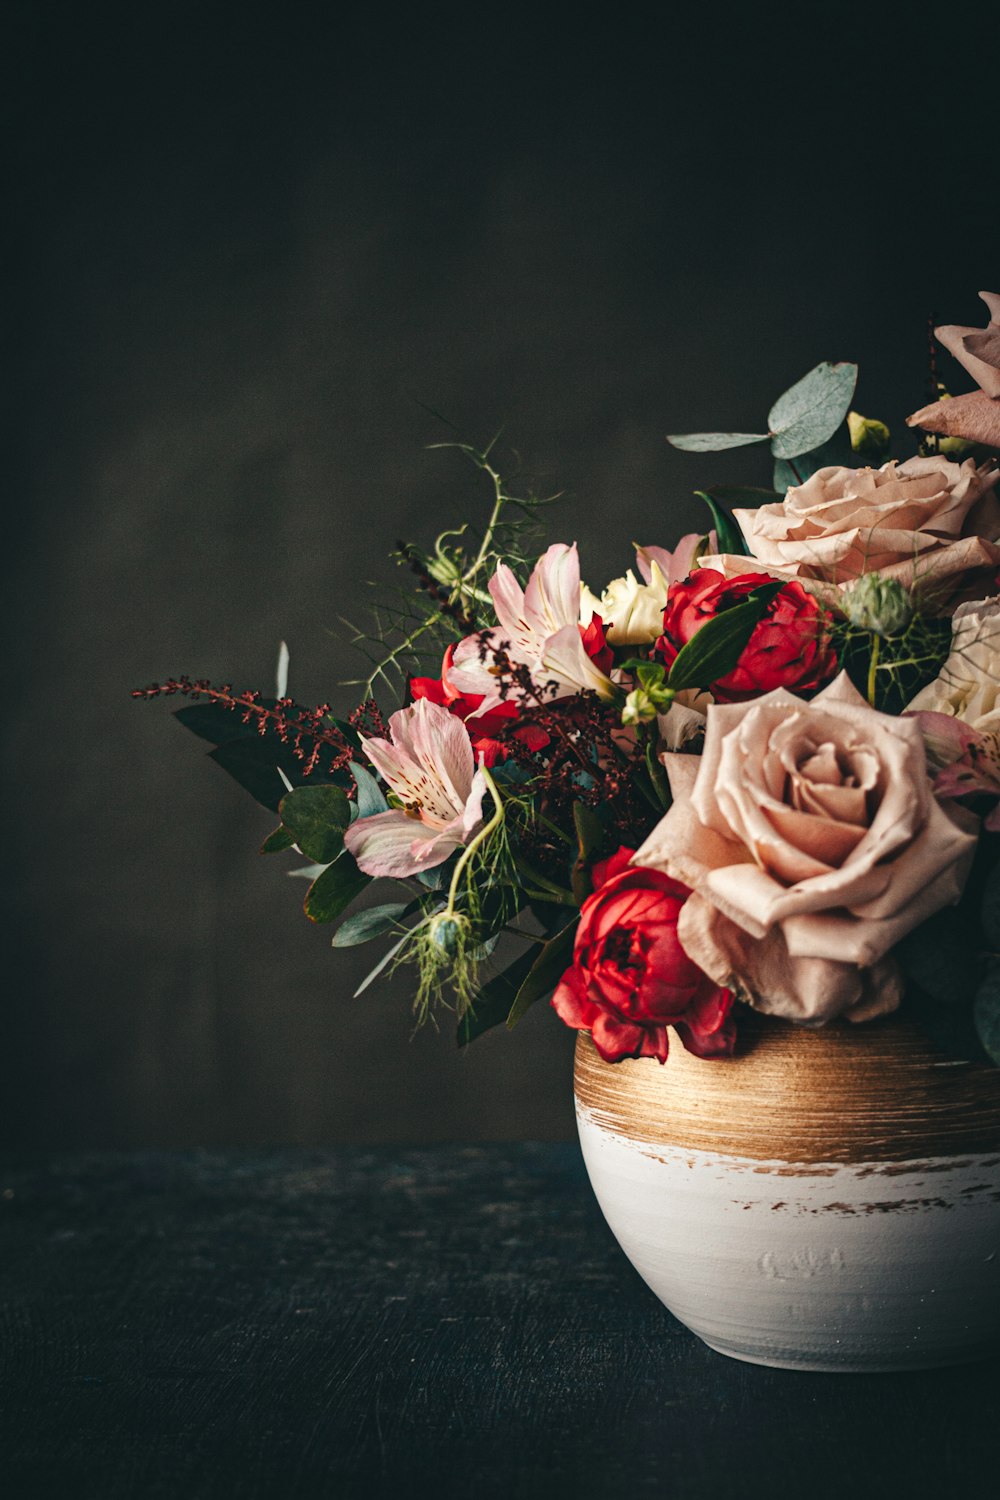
x=251, y=240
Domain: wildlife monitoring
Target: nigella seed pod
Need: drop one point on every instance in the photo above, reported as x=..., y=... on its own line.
x=445, y=932
x=879, y=604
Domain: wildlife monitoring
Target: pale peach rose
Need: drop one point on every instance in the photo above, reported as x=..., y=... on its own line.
x=929, y=523
x=968, y=685
x=812, y=842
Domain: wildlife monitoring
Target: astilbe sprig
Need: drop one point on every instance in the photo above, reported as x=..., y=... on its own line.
x=307, y=731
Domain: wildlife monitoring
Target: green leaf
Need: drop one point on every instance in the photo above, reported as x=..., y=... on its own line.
x=276, y=841
x=728, y=533
x=986, y=1012
x=812, y=409
x=212, y=722
x=589, y=838
x=382, y=964
x=714, y=442
x=335, y=889
x=718, y=645
x=365, y=925
x=746, y=496
x=545, y=973
x=254, y=764
x=316, y=817
x=991, y=910
x=493, y=1003
x=658, y=776
x=942, y=957
x=371, y=799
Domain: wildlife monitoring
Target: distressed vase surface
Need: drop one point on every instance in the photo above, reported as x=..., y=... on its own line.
x=826, y=1200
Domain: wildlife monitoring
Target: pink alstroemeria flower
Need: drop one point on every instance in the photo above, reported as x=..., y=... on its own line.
x=966, y=761
x=540, y=628
x=681, y=562
x=430, y=766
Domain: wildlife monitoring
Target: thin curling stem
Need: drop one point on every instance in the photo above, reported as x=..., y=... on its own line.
x=473, y=845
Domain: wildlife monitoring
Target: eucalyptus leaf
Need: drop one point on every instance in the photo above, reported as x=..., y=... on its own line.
x=371, y=799
x=334, y=890
x=365, y=925
x=277, y=841
x=548, y=968
x=317, y=816
x=812, y=409
x=382, y=964
x=281, y=671
x=718, y=645
x=714, y=442
x=727, y=532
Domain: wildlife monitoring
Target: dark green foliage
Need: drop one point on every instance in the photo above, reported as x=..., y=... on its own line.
x=316, y=817
x=332, y=892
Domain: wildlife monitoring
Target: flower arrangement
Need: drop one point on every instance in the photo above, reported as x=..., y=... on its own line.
x=760, y=769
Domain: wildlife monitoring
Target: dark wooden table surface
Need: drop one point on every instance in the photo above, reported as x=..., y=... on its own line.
x=363, y=1323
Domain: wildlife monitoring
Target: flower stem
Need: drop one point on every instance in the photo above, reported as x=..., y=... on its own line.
x=873, y=668
x=473, y=845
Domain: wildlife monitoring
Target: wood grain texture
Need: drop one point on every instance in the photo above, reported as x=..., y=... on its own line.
x=874, y=1093
x=363, y=1324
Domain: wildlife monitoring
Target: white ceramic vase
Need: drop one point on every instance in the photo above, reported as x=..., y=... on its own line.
x=826, y=1200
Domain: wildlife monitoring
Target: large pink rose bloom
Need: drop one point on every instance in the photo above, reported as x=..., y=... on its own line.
x=813, y=842
x=928, y=523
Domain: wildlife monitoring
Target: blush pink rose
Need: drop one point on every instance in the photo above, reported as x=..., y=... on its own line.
x=929, y=523
x=813, y=842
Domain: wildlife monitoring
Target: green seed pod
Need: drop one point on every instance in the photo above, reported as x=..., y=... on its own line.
x=880, y=605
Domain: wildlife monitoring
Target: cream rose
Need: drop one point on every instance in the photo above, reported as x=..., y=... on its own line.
x=632, y=612
x=813, y=843
x=968, y=685
x=928, y=523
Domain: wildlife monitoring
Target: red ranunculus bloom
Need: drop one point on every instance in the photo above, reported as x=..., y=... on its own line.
x=790, y=648
x=484, y=729
x=631, y=978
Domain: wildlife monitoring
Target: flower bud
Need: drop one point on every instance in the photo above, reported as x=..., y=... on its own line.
x=445, y=931
x=868, y=436
x=639, y=708
x=880, y=605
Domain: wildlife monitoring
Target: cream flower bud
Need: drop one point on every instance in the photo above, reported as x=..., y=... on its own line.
x=632, y=611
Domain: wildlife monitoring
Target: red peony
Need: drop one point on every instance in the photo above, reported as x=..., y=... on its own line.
x=631, y=978
x=484, y=729
x=790, y=648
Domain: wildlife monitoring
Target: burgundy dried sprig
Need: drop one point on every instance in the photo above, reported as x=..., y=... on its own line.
x=306, y=730
x=584, y=735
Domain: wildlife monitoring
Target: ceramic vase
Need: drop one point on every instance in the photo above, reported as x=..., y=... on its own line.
x=825, y=1200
